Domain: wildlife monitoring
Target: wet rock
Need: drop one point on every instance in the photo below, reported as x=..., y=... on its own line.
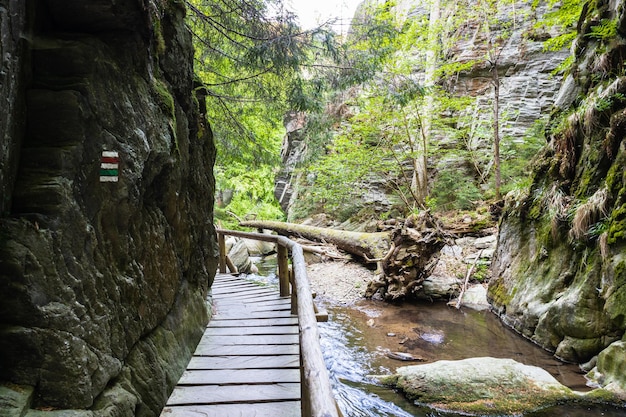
x=437, y=287
x=15, y=399
x=487, y=242
x=474, y=297
x=12, y=83
x=259, y=248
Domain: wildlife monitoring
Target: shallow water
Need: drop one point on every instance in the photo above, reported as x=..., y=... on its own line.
x=356, y=340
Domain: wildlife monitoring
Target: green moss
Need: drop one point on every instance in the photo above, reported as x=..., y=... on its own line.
x=615, y=176
x=617, y=225
x=168, y=106
x=158, y=36
x=612, y=364
x=616, y=302
x=504, y=399
x=166, y=100
x=536, y=210
x=499, y=294
x=602, y=396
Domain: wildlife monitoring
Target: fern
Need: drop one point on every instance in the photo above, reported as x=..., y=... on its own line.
x=607, y=29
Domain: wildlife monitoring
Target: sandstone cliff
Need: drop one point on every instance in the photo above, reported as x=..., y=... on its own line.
x=528, y=89
x=102, y=284
x=560, y=267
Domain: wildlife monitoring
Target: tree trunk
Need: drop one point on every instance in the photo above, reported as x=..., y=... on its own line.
x=496, y=128
x=369, y=246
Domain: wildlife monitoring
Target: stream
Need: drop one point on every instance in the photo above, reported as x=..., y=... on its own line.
x=356, y=339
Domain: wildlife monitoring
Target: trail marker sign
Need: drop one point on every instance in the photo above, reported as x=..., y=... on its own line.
x=109, y=166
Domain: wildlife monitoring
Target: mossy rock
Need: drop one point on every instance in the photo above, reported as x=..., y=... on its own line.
x=484, y=386
x=610, y=372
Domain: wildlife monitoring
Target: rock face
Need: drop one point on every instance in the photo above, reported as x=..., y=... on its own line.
x=559, y=273
x=102, y=284
x=12, y=56
x=292, y=152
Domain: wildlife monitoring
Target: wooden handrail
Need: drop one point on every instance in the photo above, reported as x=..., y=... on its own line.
x=318, y=399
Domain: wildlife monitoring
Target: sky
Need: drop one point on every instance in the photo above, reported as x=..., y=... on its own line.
x=313, y=12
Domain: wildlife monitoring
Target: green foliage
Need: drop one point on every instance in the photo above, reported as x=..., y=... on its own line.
x=249, y=55
x=371, y=42
x=253, y=195
x=518, y=154
x=481, y=273
x=451, y=194
x=563, y=16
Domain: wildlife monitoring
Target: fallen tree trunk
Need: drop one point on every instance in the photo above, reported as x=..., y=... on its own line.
x=369, y=246
x=405, y=256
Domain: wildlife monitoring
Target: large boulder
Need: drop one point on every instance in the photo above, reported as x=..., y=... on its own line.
x=480, y=386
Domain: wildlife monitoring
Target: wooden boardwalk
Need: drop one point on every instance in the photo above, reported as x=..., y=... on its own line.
x=248, y=361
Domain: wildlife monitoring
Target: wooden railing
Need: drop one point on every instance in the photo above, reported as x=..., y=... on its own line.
x=317, y=395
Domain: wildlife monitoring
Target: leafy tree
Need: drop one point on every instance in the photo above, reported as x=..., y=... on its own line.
x=249, y=55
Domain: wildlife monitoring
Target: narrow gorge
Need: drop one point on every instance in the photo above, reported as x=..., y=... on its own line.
x=107, y=188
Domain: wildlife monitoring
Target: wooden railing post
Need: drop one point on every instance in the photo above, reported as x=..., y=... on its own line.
x=222, y=245
x=283, y=269
x=294, y=293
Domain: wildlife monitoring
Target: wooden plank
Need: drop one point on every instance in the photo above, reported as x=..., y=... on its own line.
x=243, y=298
x=247, y=363
x=216, y=394
x=244, y=362
x=252, y=312
x=244, y=289
x=273, y=409
x=249, y=339
x=262, y=308
x=267, y=321
x=237, y=284
x=243, y=314
x=252, y=303
x=248, y=350
x=230, y=290
x=225, y=279
x=239, y=376
x=240, y=331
